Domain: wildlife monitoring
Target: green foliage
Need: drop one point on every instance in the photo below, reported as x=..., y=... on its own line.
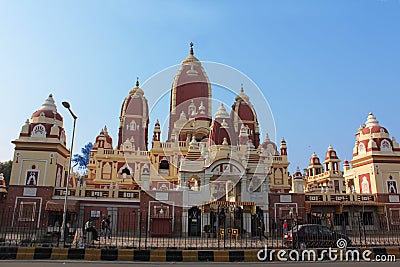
x=5, y=168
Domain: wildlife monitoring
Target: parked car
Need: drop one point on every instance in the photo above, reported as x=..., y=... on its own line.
x=313, y=236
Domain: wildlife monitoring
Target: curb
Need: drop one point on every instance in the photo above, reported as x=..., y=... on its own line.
x=156, y=255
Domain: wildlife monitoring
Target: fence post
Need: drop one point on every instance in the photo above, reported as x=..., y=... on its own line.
x=140, y=227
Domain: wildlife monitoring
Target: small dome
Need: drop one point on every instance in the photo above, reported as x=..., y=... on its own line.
x=191, y=58
x=103, y=136
x=314, y=160
x=283, y=142
x=297, y=174
x=242, y=95
x=48, y=110
x=371, y=121
x=136, y=89
x=221, y=112
x=330, y=153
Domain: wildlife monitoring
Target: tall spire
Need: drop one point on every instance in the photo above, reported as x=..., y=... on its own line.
x=191, y=48
x=137, y=81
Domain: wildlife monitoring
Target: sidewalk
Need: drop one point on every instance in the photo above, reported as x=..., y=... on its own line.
x=156, y=255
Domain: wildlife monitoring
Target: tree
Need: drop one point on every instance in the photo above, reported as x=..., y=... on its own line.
x=83, y=160
x=5, y=168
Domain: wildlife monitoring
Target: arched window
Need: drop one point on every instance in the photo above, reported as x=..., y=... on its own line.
x=361, y=149
x=385, y=145
x=39, y=131
x=126, y=171
x=132, y=126
x=164, y=165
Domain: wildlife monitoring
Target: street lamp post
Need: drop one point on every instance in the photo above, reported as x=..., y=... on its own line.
x=67, y=106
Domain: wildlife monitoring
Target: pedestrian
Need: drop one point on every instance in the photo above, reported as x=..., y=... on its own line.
x=106, y=227
x=89, y=228
x=262, y=224
x=285, y=227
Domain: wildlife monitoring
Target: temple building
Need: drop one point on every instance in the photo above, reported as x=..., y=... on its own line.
x=211, y=163
x=364, y=193
x=212, y=170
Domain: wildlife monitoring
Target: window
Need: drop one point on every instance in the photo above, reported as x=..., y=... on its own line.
x=94, y=214
x=341, y=219
x=278, y=176
x=164, y=165
x=337, y=187
x=368, y=218
x=126, y=171
x=27, y=212
x=395, y=216
x=385, y=145
x=361, y=149
x=132, y=126
x=39, y=131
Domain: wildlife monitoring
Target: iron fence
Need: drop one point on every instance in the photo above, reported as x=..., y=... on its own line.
x=141, y=230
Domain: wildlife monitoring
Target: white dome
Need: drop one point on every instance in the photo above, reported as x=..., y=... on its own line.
x=221, y=112
x=371, y=121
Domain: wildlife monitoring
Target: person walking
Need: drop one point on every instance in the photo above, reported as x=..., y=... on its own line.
x=285, y=227
x=89, y=228
x=106, y=227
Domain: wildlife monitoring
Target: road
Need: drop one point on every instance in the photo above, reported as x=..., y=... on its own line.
x=147, y=264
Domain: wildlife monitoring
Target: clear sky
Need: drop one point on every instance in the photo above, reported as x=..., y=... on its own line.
x=322, y=65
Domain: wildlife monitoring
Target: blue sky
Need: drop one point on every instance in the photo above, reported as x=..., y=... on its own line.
x=322, y=65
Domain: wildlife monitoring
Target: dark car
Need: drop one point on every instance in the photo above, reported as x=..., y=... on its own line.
x=314, y=236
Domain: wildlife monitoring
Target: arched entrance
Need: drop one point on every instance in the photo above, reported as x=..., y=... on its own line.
x=194, y=220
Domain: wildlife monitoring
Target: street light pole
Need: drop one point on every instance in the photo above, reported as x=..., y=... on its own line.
x=62, y=232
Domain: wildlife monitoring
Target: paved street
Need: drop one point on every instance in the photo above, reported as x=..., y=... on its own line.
x=223, y=264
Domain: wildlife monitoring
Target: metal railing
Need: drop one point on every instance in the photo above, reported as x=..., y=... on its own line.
x=146, y=231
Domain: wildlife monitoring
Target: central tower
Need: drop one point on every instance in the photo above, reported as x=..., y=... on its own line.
x=190, y=105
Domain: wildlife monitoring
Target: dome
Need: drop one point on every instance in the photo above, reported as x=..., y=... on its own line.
x=103, y=136
x=137, y=89
x=330, y=153
x=374, y=129
x=266, y=142
x=242, y=107
x=48, y=110
x=191, y=58
x=372, y=126
x=371, y=121
x=315, y=160
x=221, y=112
x=242, y=95
x=298, y=174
